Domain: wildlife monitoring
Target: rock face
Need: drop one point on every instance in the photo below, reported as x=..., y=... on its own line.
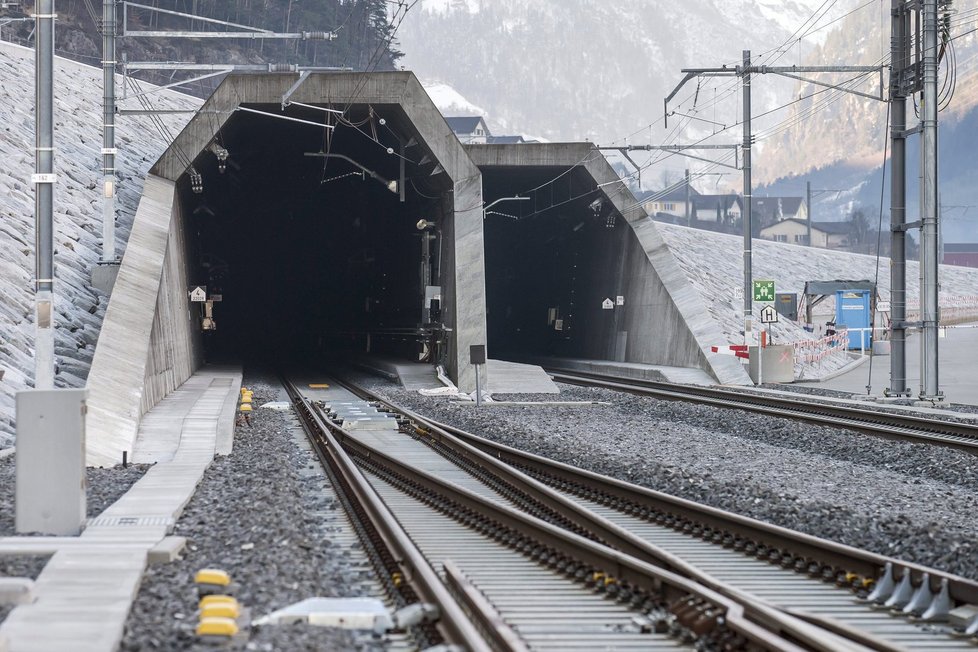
x=77, y=213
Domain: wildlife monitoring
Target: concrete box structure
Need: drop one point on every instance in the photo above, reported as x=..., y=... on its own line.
x=51, y=461
x=778, y=361
x=661, y=320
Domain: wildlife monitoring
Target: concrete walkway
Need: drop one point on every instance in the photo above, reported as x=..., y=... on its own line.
x=85, y=591
x=957, y=356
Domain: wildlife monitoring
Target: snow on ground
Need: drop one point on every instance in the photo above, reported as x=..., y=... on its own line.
x=78, y=213
x=449, y=101
x=713, y=263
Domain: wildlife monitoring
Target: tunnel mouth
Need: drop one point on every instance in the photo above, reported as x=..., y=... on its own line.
x=552, y=261
x=316, y=244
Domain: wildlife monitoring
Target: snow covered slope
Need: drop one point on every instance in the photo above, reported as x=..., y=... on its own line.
x=77, y=242
x=712, y=262
x=570, y=69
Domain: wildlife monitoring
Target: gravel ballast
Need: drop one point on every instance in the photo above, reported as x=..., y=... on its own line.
x=266, y=515
x=911, y=501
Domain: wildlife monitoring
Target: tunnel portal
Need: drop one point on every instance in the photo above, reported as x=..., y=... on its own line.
x=552, y=260
x=311, y=241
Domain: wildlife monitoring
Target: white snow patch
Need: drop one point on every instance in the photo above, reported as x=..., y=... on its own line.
x=449, y=101
x=444, y=6
x=713, y=265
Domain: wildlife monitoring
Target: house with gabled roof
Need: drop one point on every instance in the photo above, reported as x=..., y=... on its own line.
x=827, y=235
x=671, y=203
x=720, y=209
x=469, y=129
x=767, y=210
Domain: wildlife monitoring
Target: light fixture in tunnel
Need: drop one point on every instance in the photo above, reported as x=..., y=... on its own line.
x=424, y=224
x=196, y=182
x=222, y=157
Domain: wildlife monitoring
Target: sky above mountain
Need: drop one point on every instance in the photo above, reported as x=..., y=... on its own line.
x=600, y=69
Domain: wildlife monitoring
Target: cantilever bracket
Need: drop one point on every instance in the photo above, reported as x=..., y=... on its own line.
x=907, y=226
x=303, y=76
x=903, y=133
x=638, y=168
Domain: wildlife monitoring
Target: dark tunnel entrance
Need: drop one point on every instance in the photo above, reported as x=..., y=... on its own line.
x=312, y=241
x=552, y=261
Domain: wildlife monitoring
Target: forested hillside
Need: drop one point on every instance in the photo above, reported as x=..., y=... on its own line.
x=364, y=33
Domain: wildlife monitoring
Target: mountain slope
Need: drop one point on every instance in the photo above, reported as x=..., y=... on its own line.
x=598, y=69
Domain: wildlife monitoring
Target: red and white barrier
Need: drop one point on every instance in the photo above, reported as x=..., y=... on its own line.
x=739, y=350
x=816, y=350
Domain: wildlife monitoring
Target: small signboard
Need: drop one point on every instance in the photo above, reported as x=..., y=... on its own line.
x=608, y=304
x=620, y=300
x=883, y=306
x=769, y=315
x=198, y=293
x=477, y=353
x=738, y=293
x=763, y=290
x=558, y=324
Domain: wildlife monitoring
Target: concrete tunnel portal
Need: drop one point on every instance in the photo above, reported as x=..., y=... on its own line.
x=371, y=237
x=551, y=263
x=311, y=238
x=332, y=213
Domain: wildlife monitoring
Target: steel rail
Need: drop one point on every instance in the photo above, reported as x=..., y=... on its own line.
x=834, y=559
x=583, y=520
x=610, y=562
x=908, y=427
x=828, y=553
x=453, y=624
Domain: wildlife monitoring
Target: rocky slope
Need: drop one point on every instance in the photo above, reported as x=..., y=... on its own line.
x=78, y=142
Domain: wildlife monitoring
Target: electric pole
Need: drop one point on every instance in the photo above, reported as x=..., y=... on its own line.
x=44, y=180
x=748, y=191
x=687, y=197
x=108, y=132
x=744, y=72
x=808, y=209
x=930, y=312
x=900, y=65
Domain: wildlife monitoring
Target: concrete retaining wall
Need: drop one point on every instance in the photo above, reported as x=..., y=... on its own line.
x=148, y=343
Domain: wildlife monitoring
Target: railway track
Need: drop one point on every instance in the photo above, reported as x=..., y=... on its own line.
x=503, y=563
x=866, y=599
x=963, y=436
